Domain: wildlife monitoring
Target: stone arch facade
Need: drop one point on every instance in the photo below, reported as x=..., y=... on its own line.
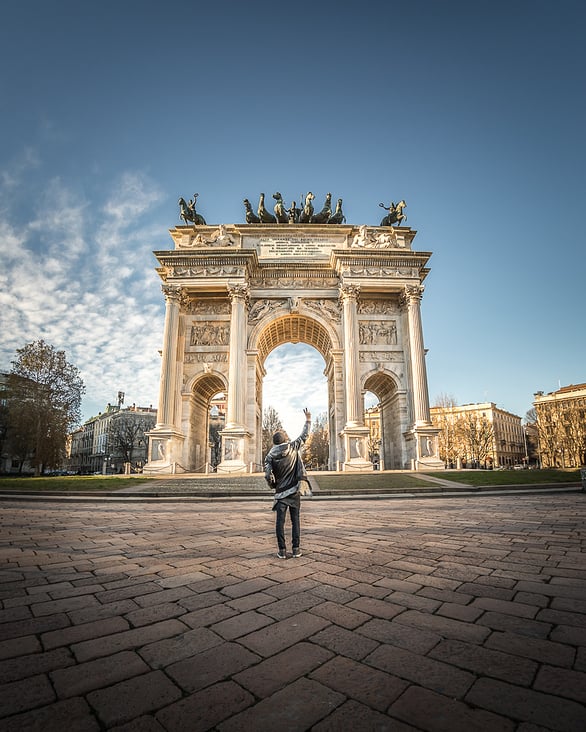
x=235, y=293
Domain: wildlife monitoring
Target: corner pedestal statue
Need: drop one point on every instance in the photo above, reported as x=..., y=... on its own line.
x=235, y=292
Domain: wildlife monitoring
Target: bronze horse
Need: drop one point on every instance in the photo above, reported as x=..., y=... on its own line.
x=188, y=213
x=395, y=215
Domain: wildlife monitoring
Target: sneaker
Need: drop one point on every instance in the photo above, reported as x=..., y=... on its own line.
x=297, y=552
x=281, y=555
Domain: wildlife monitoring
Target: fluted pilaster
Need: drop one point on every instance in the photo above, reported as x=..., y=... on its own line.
x=412, y=299
x=173, y=295
x=349, y=296
x=235, y=408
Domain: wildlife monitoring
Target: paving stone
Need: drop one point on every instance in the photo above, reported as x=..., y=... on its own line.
x=133, y=638
x=22, y=667
x=250, y=602
x=569, y=634
x=284, y=633
x=445, y=627
x=199, y=601
x=506, y=607
x=527, y=705
x=19, y=646
x=544, y=651
x=477, y=589
x=241, y=624
x=288, y=606
x=435, y=712
x=204, y=709
x=465, y=613
x=248, y=587
x=341, y=614
x=208, y=616
x=361, y=682
x=211, y=666
x=100, y=612
x=531, y=598
x=128, y=699
x=561, y=617
x=293, y=587
x=552, y=590
x=73, y=715
x=305, y=701
x=77, y=633
x=375, y=607
x=345, y=642
x=154, y=614
x=562, y=682
x=359, y=718
x=282, y=669
x=33, y=626
x=486, y=662
x=512, y=624
x=415, y=602
x=84, y=677
x=164, y=596
x=422, y=670
x=411, y=638
x=144, y=723
x=124, y=593
x=182, y=579
x=11, y=614
x=63, y=606
x=20, y=696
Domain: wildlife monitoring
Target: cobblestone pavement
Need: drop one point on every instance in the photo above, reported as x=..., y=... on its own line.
x=454, y=614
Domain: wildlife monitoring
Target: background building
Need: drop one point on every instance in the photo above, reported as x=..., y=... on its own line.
x=116, y=437
x=479, y=435
x=561, y=426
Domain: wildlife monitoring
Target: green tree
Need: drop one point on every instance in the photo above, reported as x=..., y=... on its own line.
x=44, y=400
x=271, y=422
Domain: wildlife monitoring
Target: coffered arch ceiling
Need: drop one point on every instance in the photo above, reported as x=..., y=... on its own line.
x=381, y=385
x=294, y=329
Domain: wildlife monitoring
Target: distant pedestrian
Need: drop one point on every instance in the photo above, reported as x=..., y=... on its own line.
x=284, y=470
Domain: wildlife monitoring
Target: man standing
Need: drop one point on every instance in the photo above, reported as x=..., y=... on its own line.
x=283, y=471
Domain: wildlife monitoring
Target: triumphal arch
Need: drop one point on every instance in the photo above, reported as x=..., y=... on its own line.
x=235, y=292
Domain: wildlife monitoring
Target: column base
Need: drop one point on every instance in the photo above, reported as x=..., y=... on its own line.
x=234, y=450
x=165, y=451
x=356, y=449
x=426, y=448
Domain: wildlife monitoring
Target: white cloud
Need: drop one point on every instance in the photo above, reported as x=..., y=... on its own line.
x=89, y=290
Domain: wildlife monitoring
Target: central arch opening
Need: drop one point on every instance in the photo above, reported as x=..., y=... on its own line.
x=293, y=354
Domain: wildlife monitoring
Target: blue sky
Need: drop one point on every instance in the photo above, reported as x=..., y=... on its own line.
x=474, y=113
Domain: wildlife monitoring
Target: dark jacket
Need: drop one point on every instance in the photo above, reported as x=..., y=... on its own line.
x=283, y=464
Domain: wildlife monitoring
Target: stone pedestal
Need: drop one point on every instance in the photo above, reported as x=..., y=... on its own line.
x=234, y=449
x=165, y=451
x=426, y=449
x=356, y=449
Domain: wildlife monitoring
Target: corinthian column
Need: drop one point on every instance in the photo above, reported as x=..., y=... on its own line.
x=235, y=409
x=349, y=296
x=413, y=295
x=165, y=415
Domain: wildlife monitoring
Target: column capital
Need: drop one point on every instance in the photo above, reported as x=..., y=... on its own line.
x=174, y=293
x=349, y=292
x=413, y=292
x=238, y=291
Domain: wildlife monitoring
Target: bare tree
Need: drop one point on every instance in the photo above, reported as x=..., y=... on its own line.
x=44, y=399
x=125, y=433
x=271, y=422
x=317, y=447
x=477, y=434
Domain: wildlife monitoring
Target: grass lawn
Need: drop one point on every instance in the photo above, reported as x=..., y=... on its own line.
x=508, y=477
x=71, y=483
